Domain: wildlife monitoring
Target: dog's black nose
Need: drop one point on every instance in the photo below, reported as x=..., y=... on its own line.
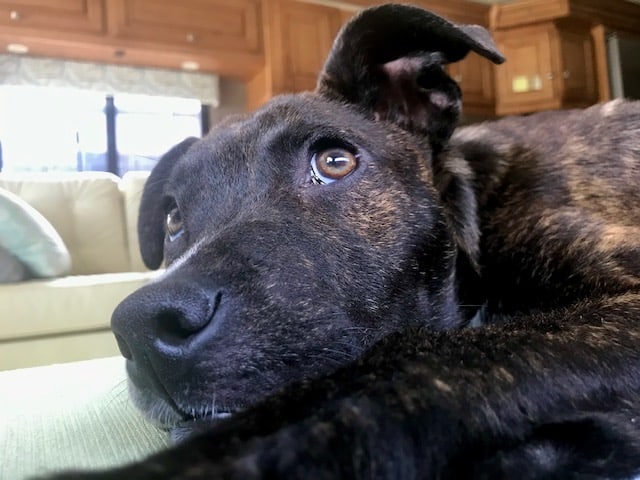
x=163, y=317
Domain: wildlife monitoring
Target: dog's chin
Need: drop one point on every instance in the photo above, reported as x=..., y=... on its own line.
x=180, y=422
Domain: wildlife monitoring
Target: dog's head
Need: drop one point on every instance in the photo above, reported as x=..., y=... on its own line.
x=296, y=237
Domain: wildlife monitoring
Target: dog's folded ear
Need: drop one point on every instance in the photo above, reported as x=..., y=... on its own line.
x=389, y=61
x=151, y=217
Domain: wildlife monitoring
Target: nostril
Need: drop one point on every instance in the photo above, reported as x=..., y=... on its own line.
x=171, y=326
x=179, y=321
x=216, y=302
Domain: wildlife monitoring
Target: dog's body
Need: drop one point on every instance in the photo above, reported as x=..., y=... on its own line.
x=335, y=244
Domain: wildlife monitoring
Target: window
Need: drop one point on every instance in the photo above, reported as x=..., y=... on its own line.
x=146, y=128
x=50, y=129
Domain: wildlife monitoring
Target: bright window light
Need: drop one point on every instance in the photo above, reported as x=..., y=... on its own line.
x=56, y=129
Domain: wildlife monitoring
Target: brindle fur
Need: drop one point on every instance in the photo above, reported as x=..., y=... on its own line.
x=334, y=319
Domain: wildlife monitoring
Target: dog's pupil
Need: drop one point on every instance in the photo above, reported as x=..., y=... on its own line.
x=174, y=221
x=336, y=163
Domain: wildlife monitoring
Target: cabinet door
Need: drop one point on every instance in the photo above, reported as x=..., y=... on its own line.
x=527, y=81
x=474, y=74
x=578, y=68
x=82, y=16
x=306, y=33
x=194, y=24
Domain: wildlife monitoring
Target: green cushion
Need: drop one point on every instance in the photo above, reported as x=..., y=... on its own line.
x=73, y=415
x=30, y=238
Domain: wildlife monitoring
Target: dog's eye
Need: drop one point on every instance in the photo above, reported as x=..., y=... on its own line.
x=331, y=165
x=175, y=225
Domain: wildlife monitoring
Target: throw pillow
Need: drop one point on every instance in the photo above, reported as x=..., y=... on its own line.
x=11, y=269
x=29, y=237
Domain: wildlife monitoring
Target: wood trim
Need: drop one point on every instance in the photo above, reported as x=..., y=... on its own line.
x=113, y=51
x=598, y=34
x=460, y=11
x=616, y=14
x=526, y=12
x=260, y=87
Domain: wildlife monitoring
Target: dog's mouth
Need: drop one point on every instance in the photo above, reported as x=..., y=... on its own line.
x=194, y=423
x=179, y=422
x=167, y=413
x=205, y=414
x=152, y=398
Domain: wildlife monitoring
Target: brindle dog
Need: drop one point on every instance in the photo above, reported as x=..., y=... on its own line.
x=368, y=294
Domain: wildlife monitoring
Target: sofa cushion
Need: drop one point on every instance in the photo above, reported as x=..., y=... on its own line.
x=30, y=238
x=86, y=209
x=131, y=185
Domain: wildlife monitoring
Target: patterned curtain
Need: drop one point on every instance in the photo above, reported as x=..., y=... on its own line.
x=109, y=79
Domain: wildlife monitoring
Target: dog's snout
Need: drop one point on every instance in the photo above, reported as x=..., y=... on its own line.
x=163, y=317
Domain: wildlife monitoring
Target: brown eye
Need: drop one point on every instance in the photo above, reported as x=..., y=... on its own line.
x=175, y=226
x=333, y=164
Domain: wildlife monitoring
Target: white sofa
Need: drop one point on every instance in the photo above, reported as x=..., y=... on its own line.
x=51, y=320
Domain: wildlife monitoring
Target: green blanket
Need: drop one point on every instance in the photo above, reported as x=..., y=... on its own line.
x=74, y=415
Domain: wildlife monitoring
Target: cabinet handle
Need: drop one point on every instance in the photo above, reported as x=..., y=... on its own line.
x=15, y=15
x=191, y=37
x=566, y=74
x=549, y=76
x=458, y=78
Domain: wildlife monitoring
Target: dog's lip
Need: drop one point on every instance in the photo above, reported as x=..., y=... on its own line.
x=222, y=415
x=191, y=414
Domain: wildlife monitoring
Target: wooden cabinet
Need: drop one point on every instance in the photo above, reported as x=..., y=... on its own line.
x=556, y=51
x=277, y=46
x=219, y=36
x=474, y=74
x=210, y=35
x=205, y=25
x=86, y=16
x=305, y=33
x=525, y=81
x=577, y=71
x=548, y=67
x=298, y=37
